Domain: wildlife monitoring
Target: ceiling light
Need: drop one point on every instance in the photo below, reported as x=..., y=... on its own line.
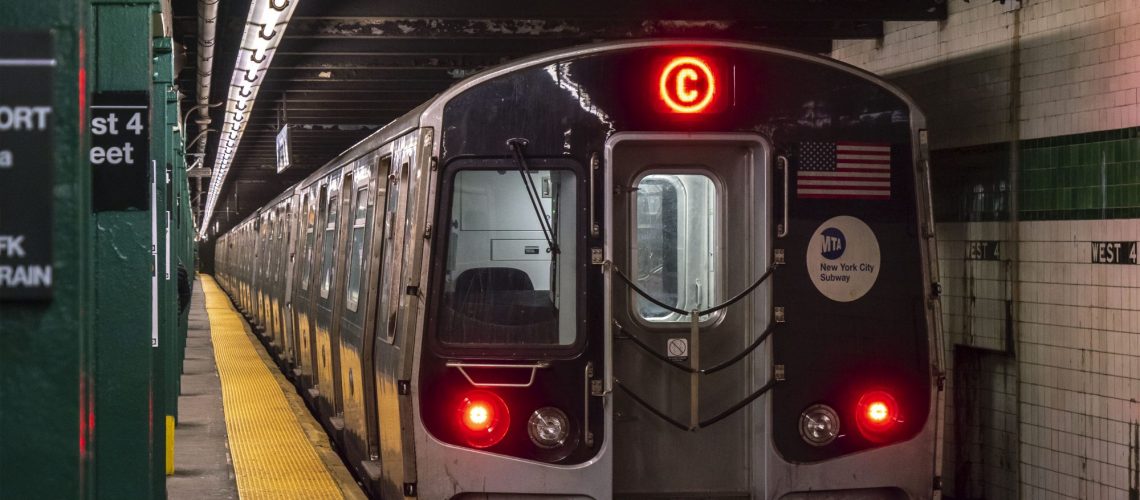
x=264, y=29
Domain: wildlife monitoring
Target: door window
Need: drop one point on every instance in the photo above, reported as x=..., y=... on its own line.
x=329, y=246
x=307, y=250
x=676, y=245
x=356, y=258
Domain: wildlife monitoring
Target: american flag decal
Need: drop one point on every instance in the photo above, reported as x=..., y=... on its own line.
x=850, y=170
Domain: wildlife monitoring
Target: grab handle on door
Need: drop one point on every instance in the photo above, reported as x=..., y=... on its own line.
x=782, y=228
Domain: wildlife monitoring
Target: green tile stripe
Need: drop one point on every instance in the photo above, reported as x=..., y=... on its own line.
x=1087, y=176
x=1082, y=176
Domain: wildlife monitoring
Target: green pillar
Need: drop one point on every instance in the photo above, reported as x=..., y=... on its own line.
x=162, y=146
x=46, y=372
x=125, y=394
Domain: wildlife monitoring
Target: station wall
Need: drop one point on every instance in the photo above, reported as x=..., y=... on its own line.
x=1034, y=117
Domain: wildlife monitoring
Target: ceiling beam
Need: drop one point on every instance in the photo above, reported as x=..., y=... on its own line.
x=897, y=10
x=580, y=29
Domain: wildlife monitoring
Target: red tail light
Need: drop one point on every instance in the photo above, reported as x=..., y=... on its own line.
x=483, y=418
x=876, y=415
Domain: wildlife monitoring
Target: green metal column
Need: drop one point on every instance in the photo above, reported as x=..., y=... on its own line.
x=162, y=152
x=46, y=357
x=181, y=239
x=125, y=394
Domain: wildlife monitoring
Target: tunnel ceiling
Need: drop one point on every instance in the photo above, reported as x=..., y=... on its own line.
x=346, y=67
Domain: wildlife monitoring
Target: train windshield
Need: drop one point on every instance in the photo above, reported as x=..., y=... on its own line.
x=509, y=281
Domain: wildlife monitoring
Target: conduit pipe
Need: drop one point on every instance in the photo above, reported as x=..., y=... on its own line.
x=207, y=36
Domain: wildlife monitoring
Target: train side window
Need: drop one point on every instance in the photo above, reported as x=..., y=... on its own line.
x=676, y=244
x=271, y=246
x=281, y=249
x=307, y=251
x=329, y=246
x=385, y=316
x=356, y=258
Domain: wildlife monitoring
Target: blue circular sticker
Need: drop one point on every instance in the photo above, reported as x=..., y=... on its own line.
x=843, y=258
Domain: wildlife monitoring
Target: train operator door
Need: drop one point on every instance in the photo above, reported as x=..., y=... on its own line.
x=689, y=227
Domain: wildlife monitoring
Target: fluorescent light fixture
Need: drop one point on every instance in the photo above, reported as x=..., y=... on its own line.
x=264, y=29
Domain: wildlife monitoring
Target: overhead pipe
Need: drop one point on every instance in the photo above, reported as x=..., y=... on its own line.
x=207, y=36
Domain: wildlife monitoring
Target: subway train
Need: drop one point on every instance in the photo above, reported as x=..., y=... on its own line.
x=648, y=269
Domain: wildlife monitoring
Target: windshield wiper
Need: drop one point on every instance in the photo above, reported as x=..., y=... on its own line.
x=517, y=145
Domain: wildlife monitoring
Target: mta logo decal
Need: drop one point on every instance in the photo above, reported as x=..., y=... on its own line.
x=834, y=243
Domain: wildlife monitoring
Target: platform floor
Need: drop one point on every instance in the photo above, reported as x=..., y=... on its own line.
x=243, y=431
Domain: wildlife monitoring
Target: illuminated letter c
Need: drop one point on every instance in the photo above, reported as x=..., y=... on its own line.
x=684, y=93
x=678, y=89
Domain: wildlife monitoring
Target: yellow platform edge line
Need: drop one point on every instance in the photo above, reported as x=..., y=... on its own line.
x=272, y=456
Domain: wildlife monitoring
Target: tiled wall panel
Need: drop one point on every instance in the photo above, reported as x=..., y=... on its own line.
x=1077, y=363
x=1079, y=68
x=1045, y=373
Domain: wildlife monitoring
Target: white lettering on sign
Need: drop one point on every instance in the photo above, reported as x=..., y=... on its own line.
x=12, y=246
x=1114, y=252
x=110, y=124
x=114, y=156
x=6, y=159
x=16, y=118
x=26, y=276
x=105, y=125
x=113, y=125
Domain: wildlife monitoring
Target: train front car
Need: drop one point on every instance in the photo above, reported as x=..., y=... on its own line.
x=664, y=269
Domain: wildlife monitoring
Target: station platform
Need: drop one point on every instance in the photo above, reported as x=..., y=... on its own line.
x=243, y=432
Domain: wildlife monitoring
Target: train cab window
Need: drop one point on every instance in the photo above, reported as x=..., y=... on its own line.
x=676, y=245
x=356, y=258
x=508, y=281
x=329, y=246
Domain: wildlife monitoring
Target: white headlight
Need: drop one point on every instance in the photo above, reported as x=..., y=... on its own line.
x=548, y=427
x=819, y=425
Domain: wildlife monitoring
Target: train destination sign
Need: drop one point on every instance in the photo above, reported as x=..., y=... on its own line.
x=1114, y=252
x=119, y=154
x=27, y=116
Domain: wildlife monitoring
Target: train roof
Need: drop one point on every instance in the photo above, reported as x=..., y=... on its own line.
x=431, y=111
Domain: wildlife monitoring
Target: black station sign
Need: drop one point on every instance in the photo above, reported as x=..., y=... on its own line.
x=982, y=250
x=27, y=68
x=1114, y=252
x=120, y=151
x=283, y=160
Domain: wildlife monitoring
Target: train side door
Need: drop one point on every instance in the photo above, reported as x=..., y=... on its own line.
x=295, y=307
x=391, y=353
x=352, y=298
x=370, y=305
x=689, y=229
x=310, y=276
x=336, y=297
x=322, y=275
x=289, y=229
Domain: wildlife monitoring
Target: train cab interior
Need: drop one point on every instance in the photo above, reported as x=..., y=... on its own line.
x=511, y=253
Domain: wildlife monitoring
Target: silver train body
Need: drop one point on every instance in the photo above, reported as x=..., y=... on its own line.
x=471, y=315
